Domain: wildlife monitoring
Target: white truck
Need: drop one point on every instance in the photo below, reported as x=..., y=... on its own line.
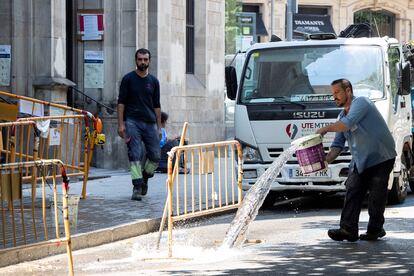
x=284, y=94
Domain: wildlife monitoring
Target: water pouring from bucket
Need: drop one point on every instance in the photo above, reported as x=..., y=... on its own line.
x=311, y=158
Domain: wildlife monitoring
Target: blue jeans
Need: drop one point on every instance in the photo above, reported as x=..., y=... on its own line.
x=374, y=180
x=143, y=144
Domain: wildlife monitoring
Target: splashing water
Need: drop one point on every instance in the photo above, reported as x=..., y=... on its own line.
x=253, y=200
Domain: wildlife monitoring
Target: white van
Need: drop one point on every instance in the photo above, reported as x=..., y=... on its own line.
x=284, y=94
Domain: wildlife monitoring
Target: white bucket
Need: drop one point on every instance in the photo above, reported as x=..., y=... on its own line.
x=310, y=153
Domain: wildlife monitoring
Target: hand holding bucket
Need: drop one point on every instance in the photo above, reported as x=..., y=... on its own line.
x=310, y=153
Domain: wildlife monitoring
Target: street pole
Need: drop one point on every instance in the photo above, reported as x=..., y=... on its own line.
x=272, y=15
x=289, y=17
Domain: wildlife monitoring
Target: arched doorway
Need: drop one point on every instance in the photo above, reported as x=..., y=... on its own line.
x=382, y=22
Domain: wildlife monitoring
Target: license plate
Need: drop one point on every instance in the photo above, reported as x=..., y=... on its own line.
x=297, y=173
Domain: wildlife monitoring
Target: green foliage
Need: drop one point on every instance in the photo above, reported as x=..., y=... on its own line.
x=380, y=21
x=232, y=8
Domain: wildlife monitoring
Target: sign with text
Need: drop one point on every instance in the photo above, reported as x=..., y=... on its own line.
x=91, y=26
x=312, y=24
x=94, y=69
x=5, y=64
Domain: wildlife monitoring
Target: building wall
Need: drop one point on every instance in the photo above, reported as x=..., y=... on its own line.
x=36, y=30
x=194, y=98
x=342, y=12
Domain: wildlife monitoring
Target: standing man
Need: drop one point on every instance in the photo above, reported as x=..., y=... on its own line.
x=373, y=155
x=139, y=121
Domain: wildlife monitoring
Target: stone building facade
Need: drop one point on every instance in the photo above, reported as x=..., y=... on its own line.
x=400, y=14
x=48, y=57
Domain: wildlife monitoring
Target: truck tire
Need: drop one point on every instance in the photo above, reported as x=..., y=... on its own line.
x=398, y=193
x=411, y=182
x=409, y=164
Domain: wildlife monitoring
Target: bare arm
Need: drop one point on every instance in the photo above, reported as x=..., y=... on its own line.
x=121, y=123
x=332, y=154
x=335, y=127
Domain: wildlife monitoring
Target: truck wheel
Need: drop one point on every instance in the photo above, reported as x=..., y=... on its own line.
x=411, y=179
x=409, y=164
x=412, y=185
x=398, y=193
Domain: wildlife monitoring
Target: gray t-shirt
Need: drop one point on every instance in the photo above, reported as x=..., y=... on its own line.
x=369, y=139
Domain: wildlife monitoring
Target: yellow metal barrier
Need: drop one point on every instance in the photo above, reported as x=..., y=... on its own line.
x=34, y=106
x=23, y=225
x=208, y=184
x=39, y=108
x=66, y=139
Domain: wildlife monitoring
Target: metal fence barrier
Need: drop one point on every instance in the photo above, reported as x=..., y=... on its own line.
x=25, y=224
x=63, y=116
x=207, y=184
x=66, y=138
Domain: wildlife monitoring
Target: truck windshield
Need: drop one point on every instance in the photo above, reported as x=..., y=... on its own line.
x=304, y=74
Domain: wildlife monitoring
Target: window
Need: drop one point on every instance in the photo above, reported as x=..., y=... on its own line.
x=382, y=22
x=313, y=10
x=393, y=61
x=189, y=37
x=305, y=73
x=260, y=27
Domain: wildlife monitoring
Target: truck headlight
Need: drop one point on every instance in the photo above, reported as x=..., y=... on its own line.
x=251, y=155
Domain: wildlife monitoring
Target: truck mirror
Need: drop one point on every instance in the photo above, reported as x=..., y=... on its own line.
x=231, y=82
x=405, y=79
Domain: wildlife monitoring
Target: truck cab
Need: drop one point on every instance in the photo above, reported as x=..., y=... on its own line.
x=283, y=93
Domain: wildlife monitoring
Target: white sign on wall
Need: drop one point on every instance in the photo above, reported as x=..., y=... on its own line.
x=32, y=108
x=5, y=62
x=54, y=137
x=94, y=69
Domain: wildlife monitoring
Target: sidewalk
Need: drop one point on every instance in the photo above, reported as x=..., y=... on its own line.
x=106, y=215
x=108, y=200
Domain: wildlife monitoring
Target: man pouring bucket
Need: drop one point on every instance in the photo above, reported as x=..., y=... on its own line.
x=373, y=154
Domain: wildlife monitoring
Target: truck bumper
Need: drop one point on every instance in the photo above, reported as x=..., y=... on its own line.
x=290, y=178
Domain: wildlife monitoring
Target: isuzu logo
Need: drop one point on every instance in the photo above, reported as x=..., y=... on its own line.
x=308, y=114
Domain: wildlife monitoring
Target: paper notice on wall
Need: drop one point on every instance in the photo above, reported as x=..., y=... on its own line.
x=94, y=69
x=54, y=137
x=90, y=27
x=5, y=64
x=32, y=108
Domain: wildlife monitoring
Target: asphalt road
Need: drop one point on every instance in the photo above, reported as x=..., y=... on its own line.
x=293, y=241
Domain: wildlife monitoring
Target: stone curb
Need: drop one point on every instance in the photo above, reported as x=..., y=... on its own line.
x=24, y=253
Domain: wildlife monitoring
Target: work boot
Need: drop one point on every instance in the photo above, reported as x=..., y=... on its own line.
x=341, y=234
x=369, y=236
x=136, y=192
x=144, y=186
x=181, y=170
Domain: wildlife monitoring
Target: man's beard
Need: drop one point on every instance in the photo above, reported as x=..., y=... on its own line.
x=142, y=67
x=339, y=104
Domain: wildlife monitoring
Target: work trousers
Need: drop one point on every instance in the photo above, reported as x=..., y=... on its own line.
x=143, y=144
x=375, y=181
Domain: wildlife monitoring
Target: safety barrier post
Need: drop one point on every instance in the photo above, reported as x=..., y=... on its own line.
x=216, y=191
x=88, y=139
x=11, y=191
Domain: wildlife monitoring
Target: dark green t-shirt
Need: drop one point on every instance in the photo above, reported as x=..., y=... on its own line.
x=140, y=96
